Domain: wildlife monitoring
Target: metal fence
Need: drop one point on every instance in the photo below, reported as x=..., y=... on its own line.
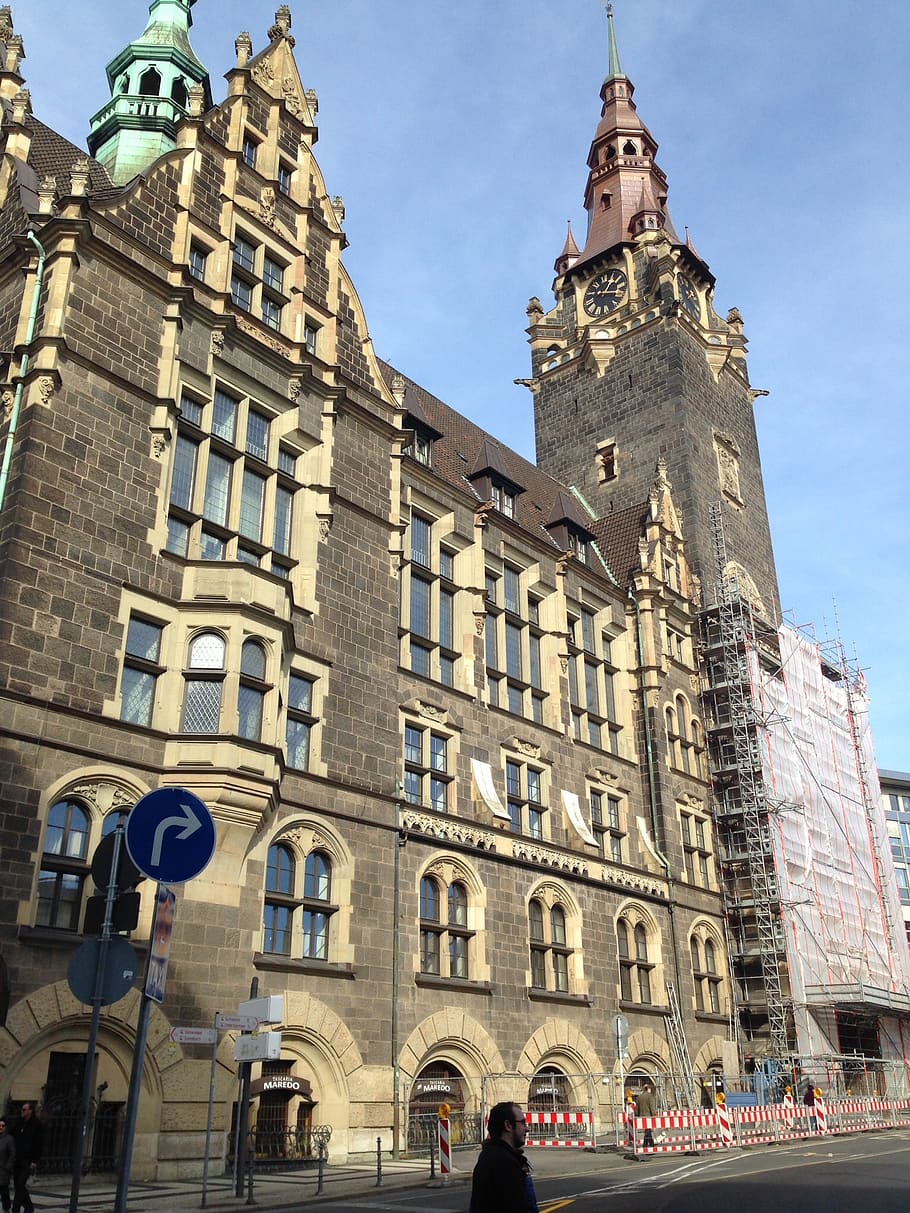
x=465, y=1129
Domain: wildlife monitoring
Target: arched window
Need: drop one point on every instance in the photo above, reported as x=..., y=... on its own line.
x=64, y=866
x=708, y=982
x=296, y=920
x=550, y=952
x=449, y=938
x=203, y=684
x=253, y=688
x=179, y=94
x=150, y=82
x=317, y=888
x=635, y=964
x=629, y=148
x=279, y=885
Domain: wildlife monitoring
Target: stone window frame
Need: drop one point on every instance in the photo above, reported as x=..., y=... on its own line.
x=447, y=869
x=217, y=483
x=698, y=845
x=638, y=955
x=514, y=639
x=527, y=785
x=593, y=676
x=607, y=459
x=304, y=838
x=555, y=951
x=685, y=737
x=711, y=989
x=252, y=286
x=611, y=824
x=101, y=796
x=429, y=648
x=435, y=784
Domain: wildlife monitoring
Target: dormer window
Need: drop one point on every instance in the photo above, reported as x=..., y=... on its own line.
x=503, y=499
x=249, y=151
x=422, y=449
x=578, y=545
x=629, y=148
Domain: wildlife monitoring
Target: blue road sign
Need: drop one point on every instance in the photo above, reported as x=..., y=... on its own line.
x=170, y=835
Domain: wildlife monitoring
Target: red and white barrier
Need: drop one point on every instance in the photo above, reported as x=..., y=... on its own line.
x=445, y=1147
x=686, y=1131
x=583, y=1136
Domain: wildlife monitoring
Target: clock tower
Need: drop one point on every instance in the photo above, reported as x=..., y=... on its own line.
x=633, y=365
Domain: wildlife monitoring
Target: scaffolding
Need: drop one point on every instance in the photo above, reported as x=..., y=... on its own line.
x=741, y=806
x=812, y=915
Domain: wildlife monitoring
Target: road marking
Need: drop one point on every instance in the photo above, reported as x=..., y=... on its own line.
x=552, y=1205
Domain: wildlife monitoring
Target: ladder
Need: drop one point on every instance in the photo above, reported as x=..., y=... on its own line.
x=683, y=1074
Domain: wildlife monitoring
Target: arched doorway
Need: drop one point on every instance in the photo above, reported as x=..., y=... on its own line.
x=284, y=1113
x=548, y=1090
x=439, y=1083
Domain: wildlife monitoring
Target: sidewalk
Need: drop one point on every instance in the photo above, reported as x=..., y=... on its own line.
x=272, y=1189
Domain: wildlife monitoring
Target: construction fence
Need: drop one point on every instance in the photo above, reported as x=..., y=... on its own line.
x=724, y=1127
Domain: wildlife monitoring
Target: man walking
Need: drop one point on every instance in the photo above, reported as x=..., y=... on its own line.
x=502, y=1180
x=27, y=1135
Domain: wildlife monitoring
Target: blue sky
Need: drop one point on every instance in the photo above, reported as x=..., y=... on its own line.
x=457, y=135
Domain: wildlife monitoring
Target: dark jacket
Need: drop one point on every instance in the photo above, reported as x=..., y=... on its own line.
x=809, y=1097
x=28, y=1135
x=645, y=1103
x=7, y=1158
x=499, y=1184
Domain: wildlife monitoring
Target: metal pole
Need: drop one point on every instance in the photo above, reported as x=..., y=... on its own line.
x=208, y=1125
x=88, y=1078
x=400, y=840
x=243, y=1112
x=378, y=1162
x=135, y=1089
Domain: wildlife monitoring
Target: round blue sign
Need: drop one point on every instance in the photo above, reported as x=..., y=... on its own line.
x=170, y=835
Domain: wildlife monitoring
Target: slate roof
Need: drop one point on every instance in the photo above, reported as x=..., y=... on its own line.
x=455, y=458
x=51, y=153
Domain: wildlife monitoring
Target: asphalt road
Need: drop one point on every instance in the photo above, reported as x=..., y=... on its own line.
x=861, y=1174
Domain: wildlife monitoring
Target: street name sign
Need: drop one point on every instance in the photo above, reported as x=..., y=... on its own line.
x=170, y=835
x=193, y=1036
x=237, y=1023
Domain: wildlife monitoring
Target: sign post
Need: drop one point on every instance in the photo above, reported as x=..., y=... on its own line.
x=170, y=836
x=621, y=1036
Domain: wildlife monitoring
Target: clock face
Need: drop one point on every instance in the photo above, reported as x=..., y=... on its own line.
x=688, y=296
x=605, y=293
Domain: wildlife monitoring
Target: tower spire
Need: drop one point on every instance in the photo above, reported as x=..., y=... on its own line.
x=150, y=82
x=626, y=194
x=615, y=67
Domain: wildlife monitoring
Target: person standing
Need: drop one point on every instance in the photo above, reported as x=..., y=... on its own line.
x=502, y=1181
x=809, y=1102
x=7, y=1164
x=27, y=1135
x=646, y=1105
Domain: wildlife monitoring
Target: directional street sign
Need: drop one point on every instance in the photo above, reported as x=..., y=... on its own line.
x=194, y=1036
x=237, y=1023
x=170, y=835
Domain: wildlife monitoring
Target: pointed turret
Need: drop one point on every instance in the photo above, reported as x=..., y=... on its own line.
x=626, y=193
x=150, y=81
x=569, y=254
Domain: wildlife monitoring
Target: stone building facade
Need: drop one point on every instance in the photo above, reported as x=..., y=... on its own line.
x=441, y=702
